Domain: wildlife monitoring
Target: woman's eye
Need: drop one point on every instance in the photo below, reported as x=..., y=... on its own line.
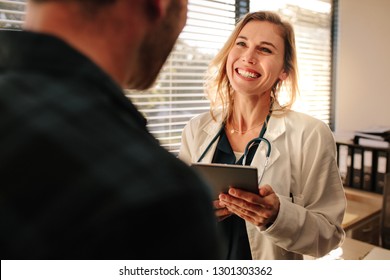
x=265, y=50
x=241, y=44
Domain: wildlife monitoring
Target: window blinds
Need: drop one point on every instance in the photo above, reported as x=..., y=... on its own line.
x=12, y=13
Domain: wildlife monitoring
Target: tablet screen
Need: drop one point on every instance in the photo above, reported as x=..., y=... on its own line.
x=222, y=176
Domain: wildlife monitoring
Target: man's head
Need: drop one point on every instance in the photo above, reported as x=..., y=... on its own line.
x=159, y=42
x=129, y=39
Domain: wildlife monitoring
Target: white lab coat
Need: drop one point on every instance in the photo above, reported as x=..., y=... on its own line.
x=302, y=163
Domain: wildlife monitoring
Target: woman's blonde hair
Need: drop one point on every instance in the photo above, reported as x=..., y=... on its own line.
x=218, y=88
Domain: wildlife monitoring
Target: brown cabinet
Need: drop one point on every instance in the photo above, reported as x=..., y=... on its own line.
x=367, y=231
x=362, y=218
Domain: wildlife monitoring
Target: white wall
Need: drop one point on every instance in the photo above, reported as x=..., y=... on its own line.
x=363, y=66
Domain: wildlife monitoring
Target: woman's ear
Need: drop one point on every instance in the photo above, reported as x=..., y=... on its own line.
x=283, y=75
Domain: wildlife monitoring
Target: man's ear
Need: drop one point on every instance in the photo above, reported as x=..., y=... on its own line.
x=157, y=8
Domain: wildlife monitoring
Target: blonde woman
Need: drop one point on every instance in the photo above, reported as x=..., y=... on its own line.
x=300, y=205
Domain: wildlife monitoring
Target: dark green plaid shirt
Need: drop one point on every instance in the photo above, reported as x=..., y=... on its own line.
x=80, y=177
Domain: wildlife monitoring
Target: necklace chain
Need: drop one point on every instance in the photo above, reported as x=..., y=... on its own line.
x=234, y=130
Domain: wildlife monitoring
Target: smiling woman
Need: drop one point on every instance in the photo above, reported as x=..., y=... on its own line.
x=257, y=56
x=299, y=169
x=259, y=46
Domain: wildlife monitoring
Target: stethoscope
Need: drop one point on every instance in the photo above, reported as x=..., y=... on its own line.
x=251, y=143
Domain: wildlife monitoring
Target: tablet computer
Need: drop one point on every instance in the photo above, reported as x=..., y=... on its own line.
x=222, y=176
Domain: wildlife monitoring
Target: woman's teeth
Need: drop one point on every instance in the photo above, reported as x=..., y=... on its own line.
x=247, y=74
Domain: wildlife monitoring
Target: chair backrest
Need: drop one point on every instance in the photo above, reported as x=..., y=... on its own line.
x=385, y=215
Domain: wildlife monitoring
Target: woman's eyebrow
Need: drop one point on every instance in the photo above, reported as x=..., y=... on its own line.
x=261, y=43
x=242, y=37
x=269, y=44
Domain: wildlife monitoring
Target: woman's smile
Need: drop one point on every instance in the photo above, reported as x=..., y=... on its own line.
x=247, y=73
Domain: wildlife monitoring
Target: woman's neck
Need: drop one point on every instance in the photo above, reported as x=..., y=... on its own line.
x=248, y=115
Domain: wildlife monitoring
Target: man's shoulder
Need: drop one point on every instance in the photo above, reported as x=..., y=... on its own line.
x=165, y=169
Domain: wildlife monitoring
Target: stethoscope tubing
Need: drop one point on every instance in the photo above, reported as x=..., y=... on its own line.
x=254, y=141
x=212, y=142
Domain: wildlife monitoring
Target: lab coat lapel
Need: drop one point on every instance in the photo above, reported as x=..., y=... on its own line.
x=276, y=128
x=211, y=130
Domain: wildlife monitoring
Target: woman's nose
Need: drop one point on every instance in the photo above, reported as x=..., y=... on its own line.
x=249, y=57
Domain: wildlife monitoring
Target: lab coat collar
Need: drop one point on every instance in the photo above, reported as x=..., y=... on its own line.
x=211, y=129
x=276, y=128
